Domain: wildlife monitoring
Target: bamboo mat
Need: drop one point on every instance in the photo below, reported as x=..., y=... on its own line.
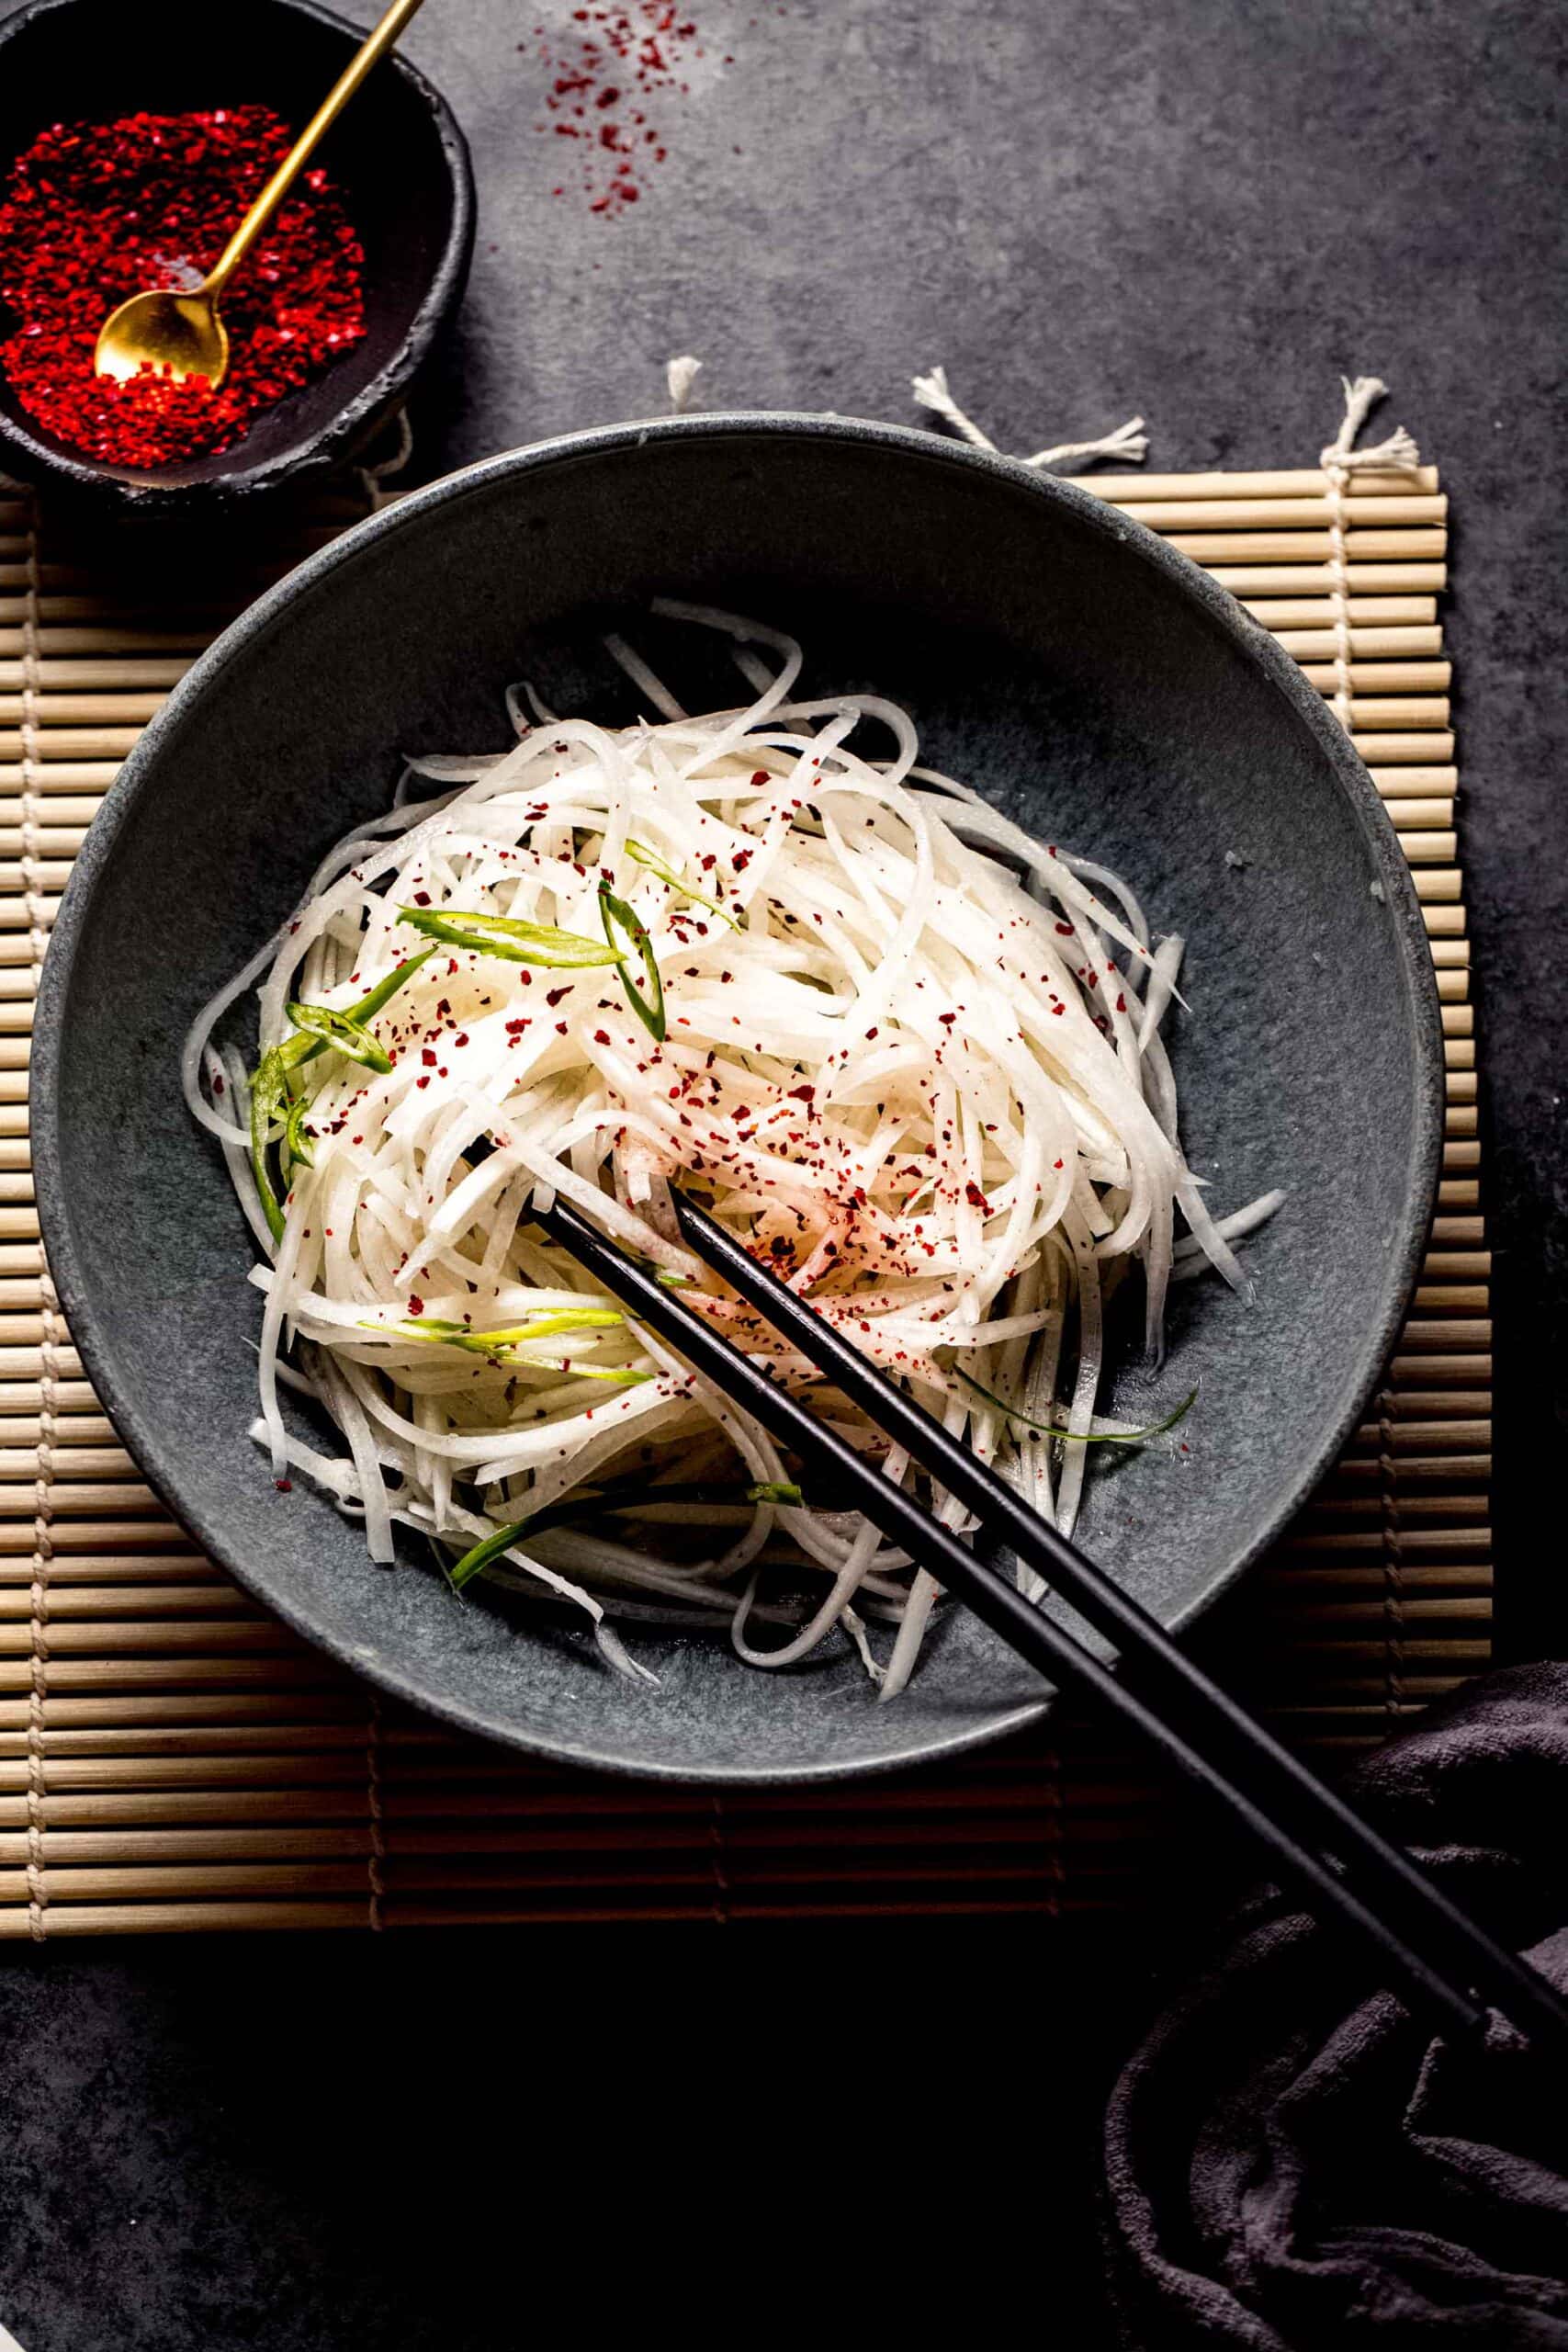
x=172, y=1759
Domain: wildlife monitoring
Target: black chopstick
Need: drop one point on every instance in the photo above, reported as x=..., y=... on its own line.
x=1428, y=1984
x=1150, y=1660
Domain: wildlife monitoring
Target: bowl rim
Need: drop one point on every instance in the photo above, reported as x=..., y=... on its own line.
x=1420, y=1004
x=350, y=426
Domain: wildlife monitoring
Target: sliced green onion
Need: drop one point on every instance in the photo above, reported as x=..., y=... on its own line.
x=432, y=1329
x=385, y=991
x=269, y=1082
x=1071, y=1437
x=650, y=1009
x=773, y=1491
x=640, y=854
x=491, y=1547
x=596, y=1503
x=489, y=1343
x=672, y=1281
x=342, y=1034
x=545, y=1326
x=299, y=1049
x=296, y=1142
x=514, y=942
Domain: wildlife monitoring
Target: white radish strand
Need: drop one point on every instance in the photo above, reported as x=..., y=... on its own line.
x=918, y=1087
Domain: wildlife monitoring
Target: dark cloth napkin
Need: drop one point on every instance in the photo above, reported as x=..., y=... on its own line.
x=1291, y=2162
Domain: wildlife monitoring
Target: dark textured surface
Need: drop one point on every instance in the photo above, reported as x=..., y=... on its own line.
x=1205, y=211
x=1098, y=688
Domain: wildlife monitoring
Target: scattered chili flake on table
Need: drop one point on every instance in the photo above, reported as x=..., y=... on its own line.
x=93, y=213
x=619, y=54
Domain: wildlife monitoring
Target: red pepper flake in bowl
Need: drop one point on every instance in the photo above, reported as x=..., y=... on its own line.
x=94, y=212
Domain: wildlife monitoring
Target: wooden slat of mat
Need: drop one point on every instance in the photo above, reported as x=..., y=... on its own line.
x=172, y=1759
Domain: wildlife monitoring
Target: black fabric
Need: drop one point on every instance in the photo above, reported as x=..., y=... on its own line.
x=1292, y=2162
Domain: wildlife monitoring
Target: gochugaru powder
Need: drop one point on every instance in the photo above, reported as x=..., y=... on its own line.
x=94, y=212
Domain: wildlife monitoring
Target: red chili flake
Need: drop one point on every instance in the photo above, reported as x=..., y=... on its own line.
x=976, y=1199
x=416, y=1306
x=760, y=775
x=461, y=1038
x=1065, y=929
x=554, y=996
x=217, y=1082
x=421, y=897
x=1120, y=1004
x=602, y=1037
x=427, y=1056
x=286, y=1486
x=92, y=212
x=1058, y=1008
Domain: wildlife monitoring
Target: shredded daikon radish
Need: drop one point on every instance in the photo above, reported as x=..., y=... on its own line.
x=753, y=954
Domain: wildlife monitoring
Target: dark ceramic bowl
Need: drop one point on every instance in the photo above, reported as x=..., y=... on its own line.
x=397, y=155
x=1087, y=679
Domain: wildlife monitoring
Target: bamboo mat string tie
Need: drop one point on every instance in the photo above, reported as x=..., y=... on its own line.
x=1340, y=461
x=681, y=382
x=372, y=479
x=1128, y=442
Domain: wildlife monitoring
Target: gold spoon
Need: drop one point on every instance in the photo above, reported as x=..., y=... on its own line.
x=181, y=335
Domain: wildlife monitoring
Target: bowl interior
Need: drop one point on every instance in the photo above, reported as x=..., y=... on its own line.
x=394, y=155
x=1082, y=677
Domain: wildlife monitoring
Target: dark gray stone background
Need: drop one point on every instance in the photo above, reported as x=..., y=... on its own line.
x=1206, y=210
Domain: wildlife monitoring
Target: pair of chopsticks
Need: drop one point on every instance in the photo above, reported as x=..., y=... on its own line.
x=1445, y=1968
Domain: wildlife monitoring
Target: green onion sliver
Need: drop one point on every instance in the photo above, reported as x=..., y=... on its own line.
x=1071, y=1437
x=316, y=1028
x=269, y=1082
x=514, y=942
x=431, y=1328
x=340, y=1032
x=385, y=991
x=491, y=1547
x=640, y=854
x=296, y=1142
x=649, y=1009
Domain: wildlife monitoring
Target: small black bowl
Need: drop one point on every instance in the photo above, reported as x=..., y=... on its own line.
x=398, y=156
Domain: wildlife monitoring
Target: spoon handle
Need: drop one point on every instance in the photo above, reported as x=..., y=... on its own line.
x=299, y=155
